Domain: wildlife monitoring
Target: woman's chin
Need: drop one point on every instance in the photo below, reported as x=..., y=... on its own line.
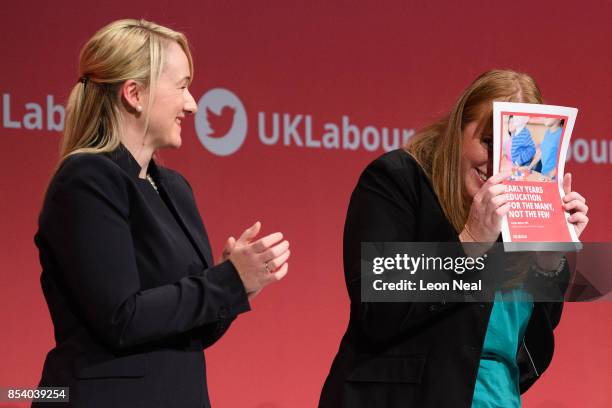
x=174, y=143
x=473, y=183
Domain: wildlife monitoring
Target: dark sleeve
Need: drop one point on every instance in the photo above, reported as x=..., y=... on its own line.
x=210, y=332
x=556, y=286
x=86, y=225
x=383, y=208
x=551, y=291
x=541, y=327
x=553, y=310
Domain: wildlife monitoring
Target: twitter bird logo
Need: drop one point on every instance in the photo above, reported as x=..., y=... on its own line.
x=220, y=124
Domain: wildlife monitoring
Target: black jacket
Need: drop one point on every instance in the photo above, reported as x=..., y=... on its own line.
x=131, y=286
x=414, y=354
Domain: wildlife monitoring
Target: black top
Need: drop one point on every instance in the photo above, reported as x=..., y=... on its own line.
x=131, y=286
x=414, y=354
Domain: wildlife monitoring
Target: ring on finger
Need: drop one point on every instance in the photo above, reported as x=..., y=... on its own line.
x=267, y=267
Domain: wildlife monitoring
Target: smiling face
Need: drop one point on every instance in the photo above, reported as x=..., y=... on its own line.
x=171, y=99
x=477, y=148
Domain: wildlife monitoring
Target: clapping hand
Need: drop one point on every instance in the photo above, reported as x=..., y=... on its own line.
x=258, y=262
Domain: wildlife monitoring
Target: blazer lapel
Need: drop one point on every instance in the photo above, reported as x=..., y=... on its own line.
x=196, y=235
x=177, y=198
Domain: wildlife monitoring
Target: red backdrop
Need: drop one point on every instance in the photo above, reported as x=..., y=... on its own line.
x=341, y=65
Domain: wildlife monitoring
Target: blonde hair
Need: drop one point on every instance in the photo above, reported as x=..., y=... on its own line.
x=438, y=147
x=122, y=50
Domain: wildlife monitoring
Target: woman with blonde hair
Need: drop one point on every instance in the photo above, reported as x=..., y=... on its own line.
x=440, y=188
x=128, y=275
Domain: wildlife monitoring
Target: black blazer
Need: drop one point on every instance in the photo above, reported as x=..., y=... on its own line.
x=414, y=354
x=131, y=285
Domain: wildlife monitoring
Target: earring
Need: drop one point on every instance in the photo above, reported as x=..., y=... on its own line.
x=139, y=108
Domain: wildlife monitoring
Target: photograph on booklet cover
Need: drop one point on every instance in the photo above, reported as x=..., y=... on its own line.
x=530, y=141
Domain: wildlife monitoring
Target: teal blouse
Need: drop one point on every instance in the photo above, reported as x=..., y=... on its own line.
x=497, y=382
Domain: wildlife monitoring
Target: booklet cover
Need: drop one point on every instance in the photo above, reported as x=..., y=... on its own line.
x=531, y=141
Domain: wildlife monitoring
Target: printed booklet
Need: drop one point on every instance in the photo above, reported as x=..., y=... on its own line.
x=531, y=141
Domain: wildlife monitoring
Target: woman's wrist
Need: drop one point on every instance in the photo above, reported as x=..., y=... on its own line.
x=465, y=236
x=472, y=247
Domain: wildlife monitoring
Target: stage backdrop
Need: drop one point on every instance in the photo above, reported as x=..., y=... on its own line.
x=295, y=98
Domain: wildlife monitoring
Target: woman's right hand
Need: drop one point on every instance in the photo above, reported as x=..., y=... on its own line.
x=488, y=208
x=259, y=262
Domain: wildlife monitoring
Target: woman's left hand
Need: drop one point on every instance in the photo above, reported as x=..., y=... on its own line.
x=575, y=204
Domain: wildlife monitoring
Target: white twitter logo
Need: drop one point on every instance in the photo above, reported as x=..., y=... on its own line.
x=221, y=122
